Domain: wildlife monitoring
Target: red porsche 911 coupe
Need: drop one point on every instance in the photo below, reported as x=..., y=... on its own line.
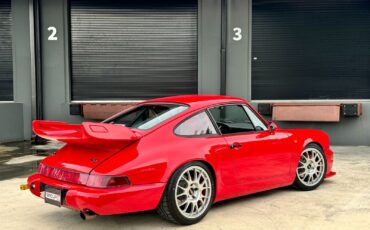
x=178, y=155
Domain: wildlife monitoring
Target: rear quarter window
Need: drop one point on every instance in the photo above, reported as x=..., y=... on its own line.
x=147, y=116
x=197, y=125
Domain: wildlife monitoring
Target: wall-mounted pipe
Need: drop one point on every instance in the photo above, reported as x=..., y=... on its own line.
x=35, y=44
x=38, y=58
x=223, y=46
x=36, y=62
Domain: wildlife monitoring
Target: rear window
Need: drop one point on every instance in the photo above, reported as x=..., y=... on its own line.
x=147, y=116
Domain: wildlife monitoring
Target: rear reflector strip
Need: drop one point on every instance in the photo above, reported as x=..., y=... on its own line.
x=96, y=181
x=63, y=175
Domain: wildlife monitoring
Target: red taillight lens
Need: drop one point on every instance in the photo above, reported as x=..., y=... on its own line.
x=101, y=181
x=63, y=175
x=96, y=181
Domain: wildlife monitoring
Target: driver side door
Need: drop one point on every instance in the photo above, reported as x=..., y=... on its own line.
x=258, y=153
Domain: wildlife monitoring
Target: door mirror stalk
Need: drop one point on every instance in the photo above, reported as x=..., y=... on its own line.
x=272, y=126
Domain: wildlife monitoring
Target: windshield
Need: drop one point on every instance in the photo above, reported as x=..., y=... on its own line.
x=147, y=116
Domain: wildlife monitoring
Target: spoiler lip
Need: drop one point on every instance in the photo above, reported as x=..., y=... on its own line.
x=91, y=133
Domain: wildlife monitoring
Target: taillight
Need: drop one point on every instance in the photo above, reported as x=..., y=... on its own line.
x=63, y=175
x=96, y=181
x=101, y=181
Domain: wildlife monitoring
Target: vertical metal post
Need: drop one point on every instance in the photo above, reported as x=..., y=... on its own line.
x=36, y=75
x=38, y=58
x=223, y=46
x=33, y=62
x=36, y=81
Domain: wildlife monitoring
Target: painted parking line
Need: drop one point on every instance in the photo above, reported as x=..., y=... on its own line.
x=24, y=159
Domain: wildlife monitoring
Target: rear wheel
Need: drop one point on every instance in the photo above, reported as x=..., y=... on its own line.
x=311, y=168
x=188, y=195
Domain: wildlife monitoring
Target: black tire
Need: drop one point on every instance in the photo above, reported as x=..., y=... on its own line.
x=298, y=184
x=167, y=207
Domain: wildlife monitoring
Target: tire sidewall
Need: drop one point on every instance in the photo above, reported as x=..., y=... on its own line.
x=171, y=191
x=297, y=183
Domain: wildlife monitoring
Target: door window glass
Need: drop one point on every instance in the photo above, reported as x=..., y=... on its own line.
x=232, y=119
x=258, y=124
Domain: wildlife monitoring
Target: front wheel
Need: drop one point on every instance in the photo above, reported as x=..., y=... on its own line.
x=311, y=168
x=188, y=195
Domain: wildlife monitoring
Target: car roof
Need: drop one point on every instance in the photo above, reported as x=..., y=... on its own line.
x=197, y=100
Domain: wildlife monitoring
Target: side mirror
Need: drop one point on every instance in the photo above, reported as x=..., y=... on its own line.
x=272, y=126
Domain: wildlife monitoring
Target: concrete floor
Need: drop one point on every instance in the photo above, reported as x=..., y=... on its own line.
x=21, y=158
x=342, y=202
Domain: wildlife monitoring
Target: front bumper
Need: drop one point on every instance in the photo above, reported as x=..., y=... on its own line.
x=105, y=201
x=330, y=159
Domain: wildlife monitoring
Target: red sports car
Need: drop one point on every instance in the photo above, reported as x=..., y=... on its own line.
x=178, y=155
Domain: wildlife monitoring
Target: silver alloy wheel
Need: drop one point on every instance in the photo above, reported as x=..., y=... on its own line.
x=193, y=192
x=311, y=167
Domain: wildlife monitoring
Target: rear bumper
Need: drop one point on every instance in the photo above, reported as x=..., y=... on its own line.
x=103, y=201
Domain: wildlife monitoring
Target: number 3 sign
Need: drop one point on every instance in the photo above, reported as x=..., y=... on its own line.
x=237, y=34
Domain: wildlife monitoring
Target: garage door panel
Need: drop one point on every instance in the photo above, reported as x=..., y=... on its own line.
x=311, y=49
x=123, y=47
x=6, y=62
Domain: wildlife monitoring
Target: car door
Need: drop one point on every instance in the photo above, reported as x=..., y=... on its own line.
x=258, y=153
x=201, y=135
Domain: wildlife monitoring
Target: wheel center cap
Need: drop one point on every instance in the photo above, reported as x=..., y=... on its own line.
x=311, y=166
x=194, y=191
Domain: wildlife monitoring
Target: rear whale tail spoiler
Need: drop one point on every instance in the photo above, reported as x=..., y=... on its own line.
x=91, y=133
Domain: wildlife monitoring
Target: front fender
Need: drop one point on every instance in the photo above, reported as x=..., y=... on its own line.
x=304, y=137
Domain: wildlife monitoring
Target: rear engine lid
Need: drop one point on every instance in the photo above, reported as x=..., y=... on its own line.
x=88, y=144
x=79, y=158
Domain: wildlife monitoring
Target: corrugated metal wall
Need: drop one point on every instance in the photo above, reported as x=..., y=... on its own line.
x=311, y=49
x=133, y=49
x=6, y=62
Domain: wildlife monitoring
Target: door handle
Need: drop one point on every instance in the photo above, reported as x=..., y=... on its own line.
x=235, y=145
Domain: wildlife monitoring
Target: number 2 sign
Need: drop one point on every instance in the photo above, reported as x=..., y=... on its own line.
x=52, y=36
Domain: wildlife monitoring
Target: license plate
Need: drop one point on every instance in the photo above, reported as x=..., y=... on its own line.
x=53, y=196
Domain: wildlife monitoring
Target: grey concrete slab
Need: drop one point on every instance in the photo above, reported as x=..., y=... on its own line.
x=21, y=158
x=11, y=122
x=342, y=202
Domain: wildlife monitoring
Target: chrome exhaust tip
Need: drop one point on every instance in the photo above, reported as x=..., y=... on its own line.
x=87, y=215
